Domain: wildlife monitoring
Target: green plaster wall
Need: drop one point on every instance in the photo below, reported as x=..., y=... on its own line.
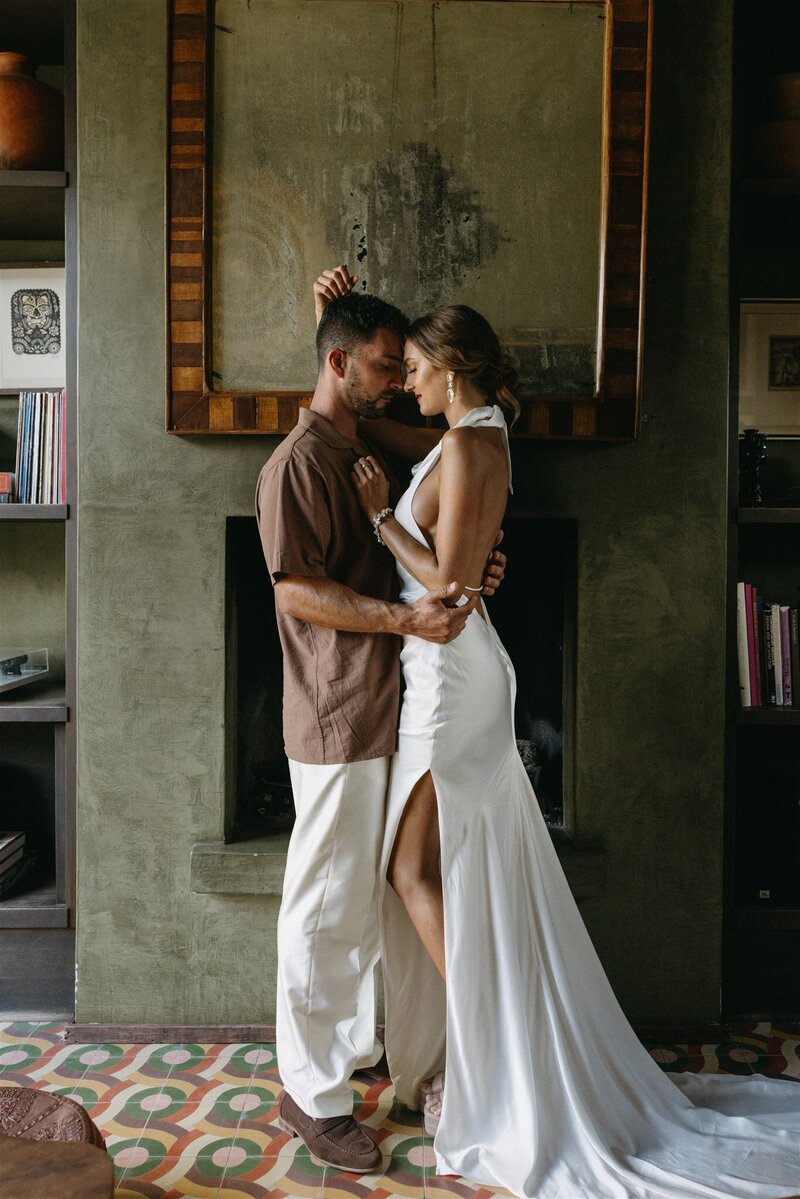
x=151, y=521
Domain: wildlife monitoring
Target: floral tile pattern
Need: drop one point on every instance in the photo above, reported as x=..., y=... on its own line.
x=200, y=1121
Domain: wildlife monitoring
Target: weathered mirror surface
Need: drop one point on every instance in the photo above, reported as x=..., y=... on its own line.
x=487, y=151
x=449, y=152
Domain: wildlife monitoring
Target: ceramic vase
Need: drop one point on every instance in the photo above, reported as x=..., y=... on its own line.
x=31, y=118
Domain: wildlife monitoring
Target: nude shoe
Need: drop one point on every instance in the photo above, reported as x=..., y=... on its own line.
x=431, y=1092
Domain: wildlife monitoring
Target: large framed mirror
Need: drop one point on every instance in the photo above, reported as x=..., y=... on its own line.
x=490, y=152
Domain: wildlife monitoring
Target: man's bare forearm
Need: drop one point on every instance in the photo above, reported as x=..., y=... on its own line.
x=325, y=602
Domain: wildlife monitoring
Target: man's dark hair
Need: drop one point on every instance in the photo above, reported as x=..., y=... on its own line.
x=353, y=320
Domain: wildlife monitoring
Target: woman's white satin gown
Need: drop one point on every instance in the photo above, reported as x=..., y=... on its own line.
x=548, y=1091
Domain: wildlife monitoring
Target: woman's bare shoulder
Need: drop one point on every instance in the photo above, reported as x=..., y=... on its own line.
x=468, y=446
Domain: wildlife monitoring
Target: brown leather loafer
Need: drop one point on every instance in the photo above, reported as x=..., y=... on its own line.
x=338, y=1141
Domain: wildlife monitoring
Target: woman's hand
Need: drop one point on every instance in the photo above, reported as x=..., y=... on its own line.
x=330, y=286
x=372, y=486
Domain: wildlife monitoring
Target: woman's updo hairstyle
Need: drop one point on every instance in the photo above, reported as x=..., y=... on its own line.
x=457, y=338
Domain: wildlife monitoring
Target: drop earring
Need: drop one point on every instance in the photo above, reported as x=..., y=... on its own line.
x=451, y=392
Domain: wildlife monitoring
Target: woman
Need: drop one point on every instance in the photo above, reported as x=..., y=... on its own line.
x=546, y=1089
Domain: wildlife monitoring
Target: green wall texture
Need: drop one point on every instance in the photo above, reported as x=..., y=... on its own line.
x=151, y=572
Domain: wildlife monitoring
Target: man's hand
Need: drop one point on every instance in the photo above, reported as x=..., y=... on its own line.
x=431, y=619
x=330, y=286
x=495, y=569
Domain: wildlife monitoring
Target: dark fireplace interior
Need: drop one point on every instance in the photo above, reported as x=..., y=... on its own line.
x=534, y=613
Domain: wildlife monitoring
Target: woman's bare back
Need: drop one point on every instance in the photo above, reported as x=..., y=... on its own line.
x=473, y=463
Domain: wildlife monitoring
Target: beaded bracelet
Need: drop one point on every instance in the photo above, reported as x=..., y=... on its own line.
x=378, y=520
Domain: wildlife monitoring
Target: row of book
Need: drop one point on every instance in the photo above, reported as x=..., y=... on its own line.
x=40, y=475
x=768, y=651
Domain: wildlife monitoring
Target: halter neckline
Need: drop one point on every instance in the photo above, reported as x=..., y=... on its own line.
x=491, y=416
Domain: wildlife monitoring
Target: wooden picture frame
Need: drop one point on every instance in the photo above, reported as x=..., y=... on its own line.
x=612, y=414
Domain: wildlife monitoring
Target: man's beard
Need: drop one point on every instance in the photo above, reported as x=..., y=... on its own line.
x=362, y=402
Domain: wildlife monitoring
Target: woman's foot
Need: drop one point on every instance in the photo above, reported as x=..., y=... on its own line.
x=431, y=1092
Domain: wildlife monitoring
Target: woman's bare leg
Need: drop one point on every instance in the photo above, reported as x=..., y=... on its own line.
x=414, y=871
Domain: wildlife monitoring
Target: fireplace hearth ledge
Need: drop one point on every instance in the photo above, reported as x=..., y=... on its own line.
x=256, y=867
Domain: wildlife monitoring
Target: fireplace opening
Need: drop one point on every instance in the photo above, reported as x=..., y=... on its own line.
x=534, y=613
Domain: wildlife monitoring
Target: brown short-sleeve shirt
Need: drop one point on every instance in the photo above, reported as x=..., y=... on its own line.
x=341, y=691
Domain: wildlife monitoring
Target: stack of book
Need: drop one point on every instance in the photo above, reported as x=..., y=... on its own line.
x=12, y=847
x=41, y=448
x=768, y=651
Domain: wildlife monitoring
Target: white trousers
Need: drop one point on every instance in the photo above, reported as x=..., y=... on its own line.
x=328, y=944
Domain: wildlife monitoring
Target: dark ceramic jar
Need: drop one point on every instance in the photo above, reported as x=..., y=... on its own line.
x=31, y=118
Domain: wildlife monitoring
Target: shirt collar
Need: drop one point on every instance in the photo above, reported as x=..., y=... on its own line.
x=328, y=432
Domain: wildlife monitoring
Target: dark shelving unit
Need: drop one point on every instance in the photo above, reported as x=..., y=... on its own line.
x=37, y=727
x=761, y=926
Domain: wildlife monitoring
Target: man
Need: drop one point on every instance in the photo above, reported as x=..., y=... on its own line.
x=340, y=630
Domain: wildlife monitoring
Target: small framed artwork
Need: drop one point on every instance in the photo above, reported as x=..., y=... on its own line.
x=769, y=367
x=32, y=355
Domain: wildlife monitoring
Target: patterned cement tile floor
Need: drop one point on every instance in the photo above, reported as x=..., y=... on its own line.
x=198, y=1120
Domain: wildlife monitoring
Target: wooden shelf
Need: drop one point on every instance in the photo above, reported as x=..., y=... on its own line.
x=32, y=205
x=768, y=516
x=771, y=716
x=38, y=512
x=36, y=703
x=57, y=179
x=34, y=908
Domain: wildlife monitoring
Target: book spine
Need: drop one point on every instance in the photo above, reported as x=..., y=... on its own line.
x=757, y=606
x=741, y=647
x=54, y=451
x=53, y=464
x=770, y=652
x=29, y=447
x=36, y=453
x=22, y=486
x=751, y=644
x=794, y=652
x=47, y=456
x=786, y=656
x=762, y=641
x=18, y=461
x=775, y=620
x=62, y=448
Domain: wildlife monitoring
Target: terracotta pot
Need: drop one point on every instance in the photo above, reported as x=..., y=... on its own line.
x=31, y=118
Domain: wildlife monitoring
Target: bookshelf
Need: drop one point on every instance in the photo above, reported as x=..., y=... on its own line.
x=761, y=914
x=37, y=512
x=38, y=546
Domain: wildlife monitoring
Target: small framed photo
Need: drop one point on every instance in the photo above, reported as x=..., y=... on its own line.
x=32, y=332
x=769, y=367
